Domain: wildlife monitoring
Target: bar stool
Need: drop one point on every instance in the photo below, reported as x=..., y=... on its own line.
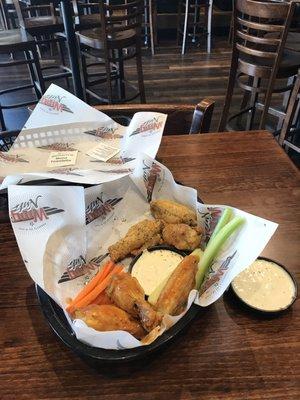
x=192, y=8
x=150, y=24
x=43, y=28
x=118, y=40
x=16, y=41
x=8, y=15
x=259, y=60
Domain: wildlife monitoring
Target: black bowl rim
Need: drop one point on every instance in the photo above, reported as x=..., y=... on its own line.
x=269, y=312
x=106, y=355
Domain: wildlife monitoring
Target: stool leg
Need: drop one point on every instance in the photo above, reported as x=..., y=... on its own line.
x=195, y=21
x=62, y=60
x=253, y=101
x=39, y=75
x=85, y=77
x=209, y=18
x=178, y=21
x=2, y=122
x=186, y=15
x=139, y=68
x=151, y=26
x=229, y=92
x=32, y=74
x=121, y=75
x=108, y=77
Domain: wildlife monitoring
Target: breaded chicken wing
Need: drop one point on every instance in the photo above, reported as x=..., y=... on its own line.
x=154, y=241
x=173, y=213
x=126, y=292
x=135, y=238
x=109, y=318
x=182, y=236
x=174, y=295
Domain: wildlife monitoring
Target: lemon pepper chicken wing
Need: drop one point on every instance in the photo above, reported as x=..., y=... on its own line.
x=174, y=295
x=136, y=237
x=126, y=292
x=172, y=212
x=110, y=318
x=182, y=236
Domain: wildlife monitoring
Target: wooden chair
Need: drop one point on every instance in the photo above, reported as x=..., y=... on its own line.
x=192, y=9
x=86, y=15
x=291, y=124
x=41, y=22
x=118, y=40
x=182, y=118
x=258, y=59
x=18, y=41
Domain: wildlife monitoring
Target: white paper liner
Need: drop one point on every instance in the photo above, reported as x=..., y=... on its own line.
x=75, y=241
x=62, y=122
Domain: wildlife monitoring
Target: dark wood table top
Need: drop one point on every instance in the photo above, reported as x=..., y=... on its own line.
x=226, y=353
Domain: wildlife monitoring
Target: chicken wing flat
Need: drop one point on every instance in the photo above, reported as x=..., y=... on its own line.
x=126, y=292
x=181, y=236
x=135, y=238
x=174, y=295
x=109, y=318
x=173, y=213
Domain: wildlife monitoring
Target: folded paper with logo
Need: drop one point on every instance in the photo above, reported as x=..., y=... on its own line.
x=75, y=230
x=66, y=139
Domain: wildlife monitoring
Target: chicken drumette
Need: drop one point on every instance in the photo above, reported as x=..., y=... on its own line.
x=126, y=292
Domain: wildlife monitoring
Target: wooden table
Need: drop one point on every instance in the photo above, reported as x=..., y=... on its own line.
x=226, y=353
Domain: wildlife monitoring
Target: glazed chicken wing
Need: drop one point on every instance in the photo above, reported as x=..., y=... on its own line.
x=126, y=292
x=174, y=295
x=173, y=213
x=181, y=236
x=135, y=238
x=109, y=318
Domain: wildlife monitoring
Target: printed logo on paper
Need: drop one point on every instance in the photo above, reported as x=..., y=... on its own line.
x=32, y=213
x=79, y=267
x=12, y=158
x=211, y=218
x=214, y=275
x=148, y=127
x=64, y=171
x=55, y=104
x=105, y=132
x=100, y=208
x=116, y=171
x=151, y=174
x=116, y=160
x=59, y=147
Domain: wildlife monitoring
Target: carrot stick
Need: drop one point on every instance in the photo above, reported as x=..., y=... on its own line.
x=107, y=268
x=91, y=296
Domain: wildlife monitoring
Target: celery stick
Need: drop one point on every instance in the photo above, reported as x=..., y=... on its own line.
x=225, y=218
x=214, y=246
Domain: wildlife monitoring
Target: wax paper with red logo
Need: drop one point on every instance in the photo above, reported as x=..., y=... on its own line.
x=61, y=124
x=64, y=233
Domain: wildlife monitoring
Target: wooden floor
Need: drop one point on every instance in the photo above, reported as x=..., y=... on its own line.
x=169, y=77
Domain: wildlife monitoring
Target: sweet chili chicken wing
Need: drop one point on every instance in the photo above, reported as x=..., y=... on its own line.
x=174, y=295
x=135, y=238
x=173, y=213
x=182, y=236
x=126, y=292
x=110, y=318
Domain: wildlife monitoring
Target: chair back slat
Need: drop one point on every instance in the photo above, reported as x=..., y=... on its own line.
x=121, y=17
x=260, y=28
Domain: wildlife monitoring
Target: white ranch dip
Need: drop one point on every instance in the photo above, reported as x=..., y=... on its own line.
x=265, y=285
x=153, y=267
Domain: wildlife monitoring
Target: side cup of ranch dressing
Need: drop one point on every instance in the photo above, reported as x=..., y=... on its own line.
x=265, y=286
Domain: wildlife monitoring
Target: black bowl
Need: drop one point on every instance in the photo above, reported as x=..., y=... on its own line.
x=97, y=356
x=267, y=313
